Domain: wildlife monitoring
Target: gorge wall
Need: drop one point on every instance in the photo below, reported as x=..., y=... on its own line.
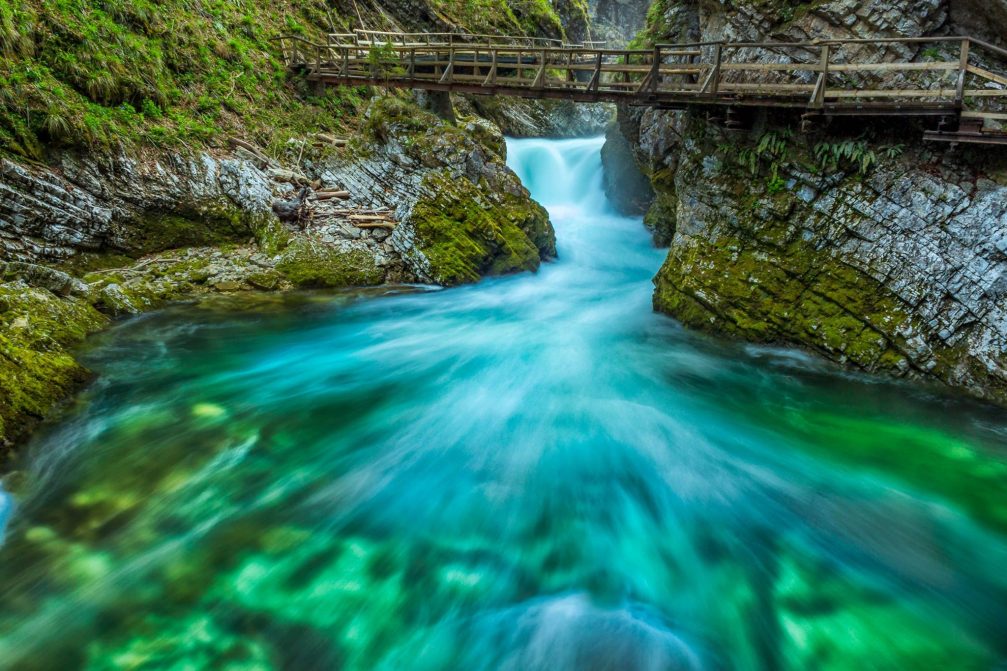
x=899, y=266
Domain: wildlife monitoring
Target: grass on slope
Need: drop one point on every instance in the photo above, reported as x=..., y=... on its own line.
x=105, y=72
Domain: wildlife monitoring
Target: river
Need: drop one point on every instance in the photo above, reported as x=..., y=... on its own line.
x=533, y=473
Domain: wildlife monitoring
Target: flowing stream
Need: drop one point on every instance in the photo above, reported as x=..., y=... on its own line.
x=532, y=473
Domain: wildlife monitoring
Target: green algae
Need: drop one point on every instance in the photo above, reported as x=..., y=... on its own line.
x=830, y=625
x=968, y=475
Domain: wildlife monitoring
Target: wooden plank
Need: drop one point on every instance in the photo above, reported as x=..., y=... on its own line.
x=770, y=67
x=892, y=67
x=993, y=116
x=766, y=87
x=918, y=93
x=986, y=74
x=894, y=93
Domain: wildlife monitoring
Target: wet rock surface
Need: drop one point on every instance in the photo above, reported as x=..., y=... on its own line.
x=901, y=270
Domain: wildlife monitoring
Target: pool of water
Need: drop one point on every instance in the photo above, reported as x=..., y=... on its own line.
x=532, y=473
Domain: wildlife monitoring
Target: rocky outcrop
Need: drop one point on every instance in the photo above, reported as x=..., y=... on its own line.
x=891, y=263
x=461, y=212
x=626, y=187
x=618, y=21
x=127, y=204
x=129, y=233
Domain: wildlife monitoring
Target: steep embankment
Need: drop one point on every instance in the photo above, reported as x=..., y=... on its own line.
x=146, y=151
x=861, y=243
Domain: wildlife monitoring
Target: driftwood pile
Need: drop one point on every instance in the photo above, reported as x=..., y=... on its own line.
x=310, y=203
x=308, y=207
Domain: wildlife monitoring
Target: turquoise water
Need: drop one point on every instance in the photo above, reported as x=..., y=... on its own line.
x=534, y=473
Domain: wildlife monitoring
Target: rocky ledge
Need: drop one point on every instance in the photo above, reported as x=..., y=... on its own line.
x=89, y=238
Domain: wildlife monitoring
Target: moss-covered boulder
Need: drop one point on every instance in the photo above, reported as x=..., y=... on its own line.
x=462, y=213
x=306, y=263
x=465, y=234
x=37, y=371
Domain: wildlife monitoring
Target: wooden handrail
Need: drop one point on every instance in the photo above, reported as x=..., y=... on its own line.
x=702, y=73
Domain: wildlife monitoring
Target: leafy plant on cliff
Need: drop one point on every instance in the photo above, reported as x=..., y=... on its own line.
x=771, y=150
x=383, y=61
x=856, y=155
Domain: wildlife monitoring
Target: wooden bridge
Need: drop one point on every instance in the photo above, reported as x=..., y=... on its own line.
x=961, y=81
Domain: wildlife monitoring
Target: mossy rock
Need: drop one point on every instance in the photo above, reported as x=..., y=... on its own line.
x=307, y=263
x=211, y=225
x=465, y=234
x=36, y=370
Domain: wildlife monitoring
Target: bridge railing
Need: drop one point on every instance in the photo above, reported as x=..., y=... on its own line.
x=956, y=70
x=942, y=73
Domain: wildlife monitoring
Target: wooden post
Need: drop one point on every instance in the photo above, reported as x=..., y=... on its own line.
x=449, y=70
x=346, y=61
x=655, y=70
x=491, y=78
x=963, y=67
x=596, y=76
x=712, y=83
x=818, y=97
x=540, y=77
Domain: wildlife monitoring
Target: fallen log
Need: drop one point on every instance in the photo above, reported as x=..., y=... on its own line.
x=326, y=195
x=367, y=217
x=356, y=210
x=251, y=148
x=328, y=139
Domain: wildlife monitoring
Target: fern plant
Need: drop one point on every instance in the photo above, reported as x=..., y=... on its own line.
x=771, y=150
x=852, y=154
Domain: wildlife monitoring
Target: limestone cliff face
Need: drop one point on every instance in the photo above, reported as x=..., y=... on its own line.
x=897, y=267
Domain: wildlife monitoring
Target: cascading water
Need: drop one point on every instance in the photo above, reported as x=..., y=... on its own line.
x=533, y=473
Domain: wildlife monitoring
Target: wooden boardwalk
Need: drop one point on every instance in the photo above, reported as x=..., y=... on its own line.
x=960, y=80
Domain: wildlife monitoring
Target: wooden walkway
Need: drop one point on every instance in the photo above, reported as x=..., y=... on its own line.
x=960, y=80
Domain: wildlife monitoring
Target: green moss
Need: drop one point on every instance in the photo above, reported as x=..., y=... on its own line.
x=166, y=74
x=662, y=215
x=213, y=225
x=761, y=281
x=270, y=234
x=465, y=235
x=308, y=264
x=36, y=371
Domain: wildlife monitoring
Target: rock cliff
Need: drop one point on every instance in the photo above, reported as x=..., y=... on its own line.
x=892, y=260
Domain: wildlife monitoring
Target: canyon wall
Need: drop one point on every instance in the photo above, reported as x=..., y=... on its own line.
x=899, y=266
